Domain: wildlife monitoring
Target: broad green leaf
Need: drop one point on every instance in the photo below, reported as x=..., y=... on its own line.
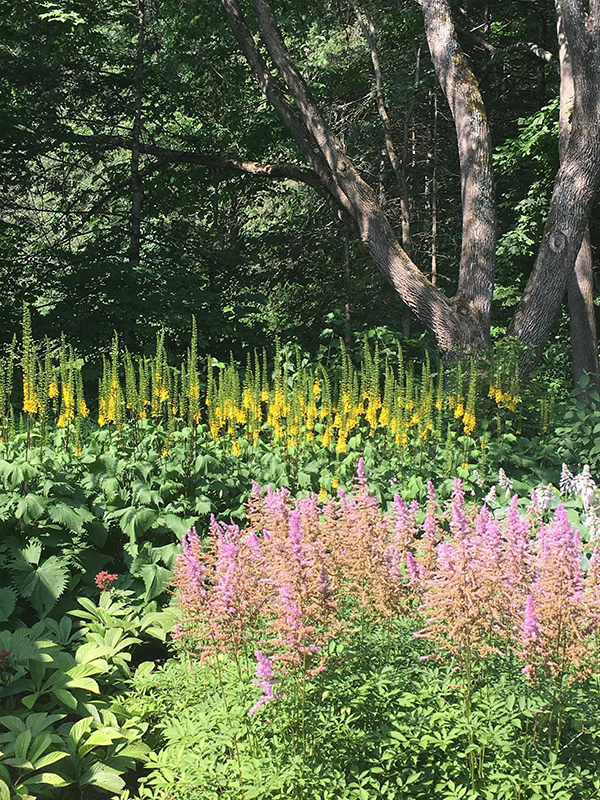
x=65, y=698
x=4, y=791
x=44, y=585
x=29, y=508
x=8, y=601
x=39, y=745
x=47, y=778
x=50, y=758
x=155, y=578
x=77, y=730
x=102, y=776
x=136, y=521
x=22, y=743
x=100, y=738
x=178, y=525
x=13, y=724
x=70, y=514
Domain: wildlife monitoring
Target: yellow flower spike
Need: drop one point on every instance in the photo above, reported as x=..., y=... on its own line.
x=236, y=450
x=322, y=496
x=335, y=482
x=459, y=411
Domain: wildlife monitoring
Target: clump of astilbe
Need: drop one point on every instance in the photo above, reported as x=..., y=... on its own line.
x=563, y=609
x=217, y=588
x=366, y=551
x=460, y=600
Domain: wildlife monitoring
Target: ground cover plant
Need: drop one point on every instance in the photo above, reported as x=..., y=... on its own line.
x=334, y=650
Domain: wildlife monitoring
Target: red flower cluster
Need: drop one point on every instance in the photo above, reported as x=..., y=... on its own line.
x=103, y=580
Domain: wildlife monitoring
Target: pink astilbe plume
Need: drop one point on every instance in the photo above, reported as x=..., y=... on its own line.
x=190, y=573
x=457, y=600
x=529, y=635
x=517, y=556
x=265, y=678
x=558, y=595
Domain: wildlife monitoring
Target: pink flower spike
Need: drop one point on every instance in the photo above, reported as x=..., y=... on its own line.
x=264, y=680
x=360, y=469
x=530, y=627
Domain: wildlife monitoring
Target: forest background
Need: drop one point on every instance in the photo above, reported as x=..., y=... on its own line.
x=147, y=178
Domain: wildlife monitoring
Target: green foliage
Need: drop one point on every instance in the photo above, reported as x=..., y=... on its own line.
x=379, y=722
x=576, y=436
x=60, y=727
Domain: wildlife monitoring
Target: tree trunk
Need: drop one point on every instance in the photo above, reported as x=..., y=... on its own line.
x=136, y=179
x=577, y=179
x=584, y=339
x=478, y=253
x=580, y=291
x=461, y=323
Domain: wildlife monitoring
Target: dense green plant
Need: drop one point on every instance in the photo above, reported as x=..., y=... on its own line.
x=61, y=729
x=424, y=653
x=577, y=433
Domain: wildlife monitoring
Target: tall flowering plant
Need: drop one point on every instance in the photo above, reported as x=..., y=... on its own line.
x=302, y=572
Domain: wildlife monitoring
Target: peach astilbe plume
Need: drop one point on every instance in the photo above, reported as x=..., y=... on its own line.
x=459, y=602
x=562, y=640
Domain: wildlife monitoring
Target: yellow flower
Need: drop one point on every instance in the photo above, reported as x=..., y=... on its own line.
x=83, y=409
x=459, y=411
x=322, y=495
x=335, y=482
x=236, y=450
x=53, y=390
x=78, y=451
x=61, y=422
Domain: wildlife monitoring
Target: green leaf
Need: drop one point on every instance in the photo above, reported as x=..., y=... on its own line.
x=47, y=778
x=8, y=601
x=103, y=777
x=155, y=579
x=178, y=525
x=39, y=745
x=70, y=514
x=77, y=730
x=22, y=743
x=65, y=698
x=29, y=508
x=50, y=758
x=44, y=585
x=136, y=521
x=100, y=738
x=4, y=791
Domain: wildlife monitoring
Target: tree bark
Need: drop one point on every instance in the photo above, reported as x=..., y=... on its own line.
x=461, y=323
x=582, y=312
x=478, y=253
x=576, y=182
x=580, y=291
x=136, y=133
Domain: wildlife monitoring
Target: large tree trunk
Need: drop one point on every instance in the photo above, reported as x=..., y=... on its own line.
x=582, y=312
x=461, y=323
x=580, y=291
x=478, y=252
x=577, y=180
